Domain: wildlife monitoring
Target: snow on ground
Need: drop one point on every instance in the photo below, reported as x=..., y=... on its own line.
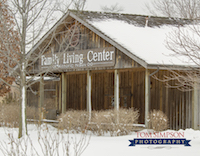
x=108, y=146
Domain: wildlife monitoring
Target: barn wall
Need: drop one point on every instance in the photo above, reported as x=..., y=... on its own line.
x=76, y=91
x=173, y=102
x=131, y=84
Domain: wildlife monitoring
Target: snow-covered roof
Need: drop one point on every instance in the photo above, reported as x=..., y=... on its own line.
x=148, y=43
x=140, y=40
x=142, y=36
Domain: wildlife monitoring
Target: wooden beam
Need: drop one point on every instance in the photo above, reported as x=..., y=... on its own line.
x=41, y=101
x=64, y=92
x=56, y=98
x=89, y=93
x=132, y=88
x=195, y=107
x=147, y=96
x=60, y=95
x=116, y=90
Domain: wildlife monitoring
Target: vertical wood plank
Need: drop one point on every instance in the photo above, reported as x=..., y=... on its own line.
x=56, y=103
x=116, y=90
x=105, y=90
x=166, y=102
x=161, y=96
x=195, y=107
x=147, y=87
x=89, y=104
x=132, y=88
x=41, y=101
x=64, y=88
x=60, y=94
x=183, y=111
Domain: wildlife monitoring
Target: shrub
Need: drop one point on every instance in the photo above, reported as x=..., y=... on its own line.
x=74, y=120
x=32, y=112
x=158, y=121
x=115, y=122
x=9, y=114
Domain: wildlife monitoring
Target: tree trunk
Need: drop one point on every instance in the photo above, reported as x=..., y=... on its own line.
x=22, y=125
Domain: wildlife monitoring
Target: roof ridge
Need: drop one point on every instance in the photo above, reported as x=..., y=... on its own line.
x=129, y=14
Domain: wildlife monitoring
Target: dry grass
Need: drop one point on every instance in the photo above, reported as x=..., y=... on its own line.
x=158, y=121
x=9, y=114
x=32, y=113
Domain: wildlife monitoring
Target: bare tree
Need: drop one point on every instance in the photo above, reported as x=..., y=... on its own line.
x=113, y=8
x=183, y=41
x=185, y=45
x=8, y=47
x=63, y=5
x=32, y=19
x=26, y=13
x=189, y=9
x=79, y=4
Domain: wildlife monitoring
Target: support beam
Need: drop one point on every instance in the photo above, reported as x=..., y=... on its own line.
x=147, y=96
x=56, y=98
x=89, y=93
x=116, y=90
x=60, y=95
x=64, y=92
x=195, y=107
x=41, y=101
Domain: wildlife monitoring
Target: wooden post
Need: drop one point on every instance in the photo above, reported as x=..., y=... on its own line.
x=132, y=88
x=195, y=107
x=60, y=94
x=89, y=93
x=56, y=99
x=116, y=91
x=64, y=92
x=41, y=101
x=147, y=98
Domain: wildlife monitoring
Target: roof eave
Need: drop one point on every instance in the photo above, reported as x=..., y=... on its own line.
x=170, y=67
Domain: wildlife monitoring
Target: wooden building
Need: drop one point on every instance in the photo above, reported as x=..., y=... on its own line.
x=106, y=61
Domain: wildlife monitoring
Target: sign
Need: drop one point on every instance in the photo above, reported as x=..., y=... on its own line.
x=102, y=57
x=160, y=138
x=160, y=142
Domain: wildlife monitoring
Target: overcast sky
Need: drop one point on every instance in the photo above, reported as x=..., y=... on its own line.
x=129, y=6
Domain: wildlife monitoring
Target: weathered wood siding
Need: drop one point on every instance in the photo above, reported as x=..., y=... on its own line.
x=131, y=83
x=76, y=91
x=176, y=104
x=198, y=108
